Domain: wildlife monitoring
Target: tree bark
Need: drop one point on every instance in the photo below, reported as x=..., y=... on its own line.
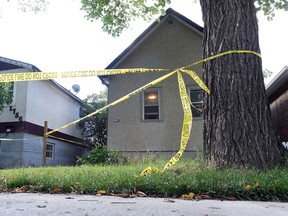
x=238, y=129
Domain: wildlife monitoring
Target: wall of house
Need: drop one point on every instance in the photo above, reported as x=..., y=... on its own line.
x=45, y=102
x=170, y=46
x=279, y=111
x=11, y=152
x=30, y=151
x=64, y=153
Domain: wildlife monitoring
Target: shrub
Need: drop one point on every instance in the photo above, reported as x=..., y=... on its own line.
x=102, y=155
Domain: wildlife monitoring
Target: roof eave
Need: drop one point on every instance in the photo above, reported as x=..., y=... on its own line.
x=277, y=81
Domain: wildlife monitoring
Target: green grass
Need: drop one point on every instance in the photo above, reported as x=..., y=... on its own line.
x=184, y=177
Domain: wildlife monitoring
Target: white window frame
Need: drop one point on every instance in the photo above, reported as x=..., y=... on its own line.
x=48, y=151
x=196, y=88
x=158, y=90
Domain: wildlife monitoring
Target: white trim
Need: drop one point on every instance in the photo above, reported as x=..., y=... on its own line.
x=50, y=151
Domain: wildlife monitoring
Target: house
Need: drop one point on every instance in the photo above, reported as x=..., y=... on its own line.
x=33, y=103
x=277, y=92
x=152, y=120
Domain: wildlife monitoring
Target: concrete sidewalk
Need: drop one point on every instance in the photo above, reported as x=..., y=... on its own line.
x=81, y=205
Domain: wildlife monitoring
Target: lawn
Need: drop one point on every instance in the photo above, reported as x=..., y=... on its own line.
x=183, y=178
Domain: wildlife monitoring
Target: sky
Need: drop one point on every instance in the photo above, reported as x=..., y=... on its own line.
x=61, y=39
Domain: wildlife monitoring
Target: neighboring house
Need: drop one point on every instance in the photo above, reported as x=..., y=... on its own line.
x=277, y=92
x=33, y=103
x=152, y=120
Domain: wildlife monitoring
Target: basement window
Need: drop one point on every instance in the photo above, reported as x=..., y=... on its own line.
x=151, y=105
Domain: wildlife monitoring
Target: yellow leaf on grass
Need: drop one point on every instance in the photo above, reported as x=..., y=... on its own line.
x=101, y=192
x=256, y=185
x=188, y=196
x=248, y=187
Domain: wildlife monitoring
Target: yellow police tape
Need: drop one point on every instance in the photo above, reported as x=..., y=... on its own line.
x=187, y=121
x=29, y=76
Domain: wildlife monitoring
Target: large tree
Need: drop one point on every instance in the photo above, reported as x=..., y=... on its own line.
x=238, y=129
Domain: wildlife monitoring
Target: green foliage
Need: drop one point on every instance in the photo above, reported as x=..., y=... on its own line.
x=267, y=73
x=94, y=128
x=5, y=95
x=101, y=155
x=117, y=14
x=33, y=5
x=269, y=7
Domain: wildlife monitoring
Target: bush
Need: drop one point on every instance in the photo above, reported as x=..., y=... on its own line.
x=102, y=155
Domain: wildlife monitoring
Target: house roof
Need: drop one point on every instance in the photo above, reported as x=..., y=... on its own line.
x=147, y=32
x=11, y=64
x=277, y=81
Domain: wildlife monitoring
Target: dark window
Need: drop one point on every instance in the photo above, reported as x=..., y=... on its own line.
x=82, y=112
x=196, y=97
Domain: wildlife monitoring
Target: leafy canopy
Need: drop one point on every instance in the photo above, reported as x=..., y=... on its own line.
x=5, y=94
x=94, y=128
x=117, y=14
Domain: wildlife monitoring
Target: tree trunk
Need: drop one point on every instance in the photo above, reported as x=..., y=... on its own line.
x=238, y=129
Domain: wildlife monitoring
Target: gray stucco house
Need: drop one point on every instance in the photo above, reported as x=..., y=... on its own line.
x=152, y=120
x=33, y=103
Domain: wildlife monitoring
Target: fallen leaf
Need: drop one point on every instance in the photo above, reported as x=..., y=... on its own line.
x=169, y=200
x=101, y=192
x=205, y=196
x=123, y=195
x=22, y=189
x=188, y=196
x=140, y=194
x=55, y=191
x=123, y=202
x=247, y=188
x=256, y=185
